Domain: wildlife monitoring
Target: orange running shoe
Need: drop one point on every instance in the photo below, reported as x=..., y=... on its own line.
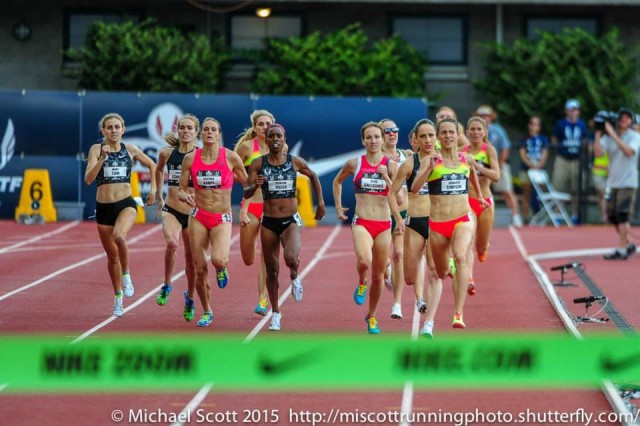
x=471, y=290
x=457, y=321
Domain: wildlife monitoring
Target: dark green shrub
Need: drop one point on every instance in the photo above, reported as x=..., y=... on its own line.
x=145, y=56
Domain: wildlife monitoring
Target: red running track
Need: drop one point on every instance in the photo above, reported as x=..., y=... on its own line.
x=54, y=279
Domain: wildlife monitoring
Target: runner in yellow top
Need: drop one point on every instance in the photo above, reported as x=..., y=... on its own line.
x=451, y=223
x=252, y=145
x=488, y=170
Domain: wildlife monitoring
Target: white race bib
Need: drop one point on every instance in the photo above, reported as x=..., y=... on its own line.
x=454, y=185
x=280, y=185
x=115, y=172
x=373, y=184
x=174, y=174
x=209, y=181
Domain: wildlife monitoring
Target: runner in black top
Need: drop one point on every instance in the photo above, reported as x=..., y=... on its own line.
x=275, y=173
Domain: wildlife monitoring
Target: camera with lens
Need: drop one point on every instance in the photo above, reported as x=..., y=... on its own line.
x=603, y=117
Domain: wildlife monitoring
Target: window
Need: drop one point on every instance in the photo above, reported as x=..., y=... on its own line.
x=250, y=32
x=557, y=24
x=77, y=24
x=443, y=39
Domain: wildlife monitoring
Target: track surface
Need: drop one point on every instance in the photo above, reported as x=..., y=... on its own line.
x=54, y=280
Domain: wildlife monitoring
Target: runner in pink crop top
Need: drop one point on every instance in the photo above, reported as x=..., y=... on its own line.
x=211, y=176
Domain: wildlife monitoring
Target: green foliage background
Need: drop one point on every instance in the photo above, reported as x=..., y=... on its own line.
x=537, y=77
x=340, y=63
x=149, y=57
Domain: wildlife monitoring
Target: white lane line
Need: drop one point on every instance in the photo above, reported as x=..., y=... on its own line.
x=608, y=388
x=285, y=294
x=40, y=237
x=194, y=403
x=74, y=266
x=406, y=407
x=137, y=303
x=202, y=393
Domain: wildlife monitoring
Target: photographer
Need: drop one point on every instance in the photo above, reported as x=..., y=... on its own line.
x=621, y=145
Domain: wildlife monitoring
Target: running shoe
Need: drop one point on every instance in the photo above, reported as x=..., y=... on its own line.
x=471, y=290
x=127, y=285
x=517, y=221
x=482, y=257
x=631, y=248
x=458, y=322
x=422, y=307
x=189, y=308
x=296, y=289
x=223, y=277
x=360, y=294
x=616, y=255
x=387, y=277
x=118, y=310
x=261, y=308
x=396, y=311
x=452, y=268
x=206, y=319
x=372, y=325
x=427, y=329
x=275, y=321
x=163, y=297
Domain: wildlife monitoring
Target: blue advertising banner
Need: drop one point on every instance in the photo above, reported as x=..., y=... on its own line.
x=56, y=129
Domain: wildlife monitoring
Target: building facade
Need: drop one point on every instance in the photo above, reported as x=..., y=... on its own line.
x=36, y=32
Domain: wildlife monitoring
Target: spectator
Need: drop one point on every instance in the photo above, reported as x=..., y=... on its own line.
x=568, y=136
x=500, y=141
x=621, y=144
x=534, y=150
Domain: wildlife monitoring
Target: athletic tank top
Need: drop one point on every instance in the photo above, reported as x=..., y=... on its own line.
x=446, y=181
x=254, y=154
x=211, y=176
x=174, y=165
x=481, y=156
x=367, y=180
x=280, y=181
x=416, y=166
x=116, y=168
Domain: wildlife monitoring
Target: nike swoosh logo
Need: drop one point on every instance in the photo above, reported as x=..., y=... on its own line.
x=327, y=165
x=611, y=365
x=271, y=367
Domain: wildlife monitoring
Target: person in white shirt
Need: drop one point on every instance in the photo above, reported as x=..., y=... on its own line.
x=622, y=146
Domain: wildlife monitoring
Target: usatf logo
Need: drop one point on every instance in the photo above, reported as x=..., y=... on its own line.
x=163, y=119
x=8, y=145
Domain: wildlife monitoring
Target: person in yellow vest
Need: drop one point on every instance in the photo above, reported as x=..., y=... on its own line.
x=599, y=173
x=109, y=163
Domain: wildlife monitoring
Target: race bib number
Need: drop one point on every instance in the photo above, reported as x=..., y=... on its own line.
x=454, y=185
x=115, y=172
x=372, y=184
x=280, y=185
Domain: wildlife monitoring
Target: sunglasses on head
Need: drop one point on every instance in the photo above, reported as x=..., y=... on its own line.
x=388, y=130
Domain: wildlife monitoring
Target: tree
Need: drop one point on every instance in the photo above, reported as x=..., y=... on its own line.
x=537, y=77
x=145, y=56
x=340, y=63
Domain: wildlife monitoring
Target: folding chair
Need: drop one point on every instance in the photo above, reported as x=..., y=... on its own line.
x=552, y=201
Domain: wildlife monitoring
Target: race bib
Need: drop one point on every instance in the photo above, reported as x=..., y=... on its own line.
x=454, y=185
x=211, y=181
x=373, y=184
x=115, y=172
x=174, y=175
x=280, y=185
